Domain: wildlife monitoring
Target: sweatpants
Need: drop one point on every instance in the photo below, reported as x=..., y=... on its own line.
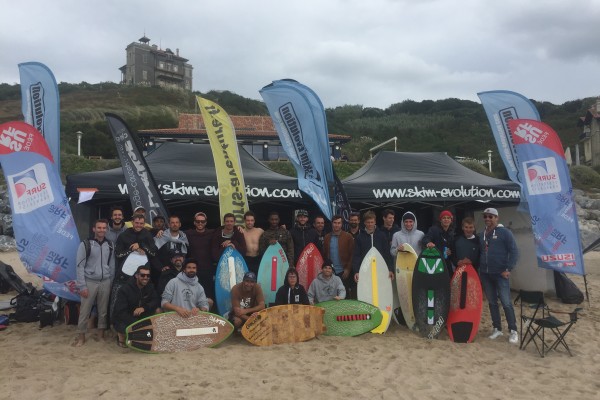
x=99, y=294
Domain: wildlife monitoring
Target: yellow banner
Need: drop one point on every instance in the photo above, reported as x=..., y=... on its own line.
x=221, y=134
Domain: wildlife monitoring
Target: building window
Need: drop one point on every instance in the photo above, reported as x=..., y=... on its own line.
x=145, y=75
x=145, y=58
x=161, y=65
x=175, y=68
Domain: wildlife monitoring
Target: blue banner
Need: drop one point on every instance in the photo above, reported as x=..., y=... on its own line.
x=45, y=231
x=299, y=118
x=502, y=106
x=551, y=205
x=40, y=104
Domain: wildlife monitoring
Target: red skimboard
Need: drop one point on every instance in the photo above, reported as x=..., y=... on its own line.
x=466, y=302
x=309, y=265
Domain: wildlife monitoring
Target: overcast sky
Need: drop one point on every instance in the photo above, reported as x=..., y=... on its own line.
x=369, y=52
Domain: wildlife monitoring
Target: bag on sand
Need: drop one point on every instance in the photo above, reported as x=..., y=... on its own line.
x=566, y=289
x=31, y=306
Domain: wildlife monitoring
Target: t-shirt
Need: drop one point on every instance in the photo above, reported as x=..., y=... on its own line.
x=246, y=299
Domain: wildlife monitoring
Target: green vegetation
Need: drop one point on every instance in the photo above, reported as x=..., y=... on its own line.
x=342, y=169
x=583, y=177
x=457, y=127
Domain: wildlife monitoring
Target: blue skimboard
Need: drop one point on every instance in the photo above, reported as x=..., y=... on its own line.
x=271, y=272
x=230, y=271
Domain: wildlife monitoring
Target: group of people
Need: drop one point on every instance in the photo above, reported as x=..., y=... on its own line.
x=179, y=272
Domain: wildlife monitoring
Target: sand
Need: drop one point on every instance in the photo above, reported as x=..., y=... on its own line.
x=42, y=364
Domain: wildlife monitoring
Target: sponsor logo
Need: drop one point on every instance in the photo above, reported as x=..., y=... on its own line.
x=38, y=108
x=558, y=257
x=30, y=189
x=14, y=139
x=542, y=176
x=462, y=192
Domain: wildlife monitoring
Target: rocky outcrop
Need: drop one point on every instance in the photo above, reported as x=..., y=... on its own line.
x=588, y=214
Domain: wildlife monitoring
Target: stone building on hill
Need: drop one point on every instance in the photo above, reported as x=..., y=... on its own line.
x=590, y=137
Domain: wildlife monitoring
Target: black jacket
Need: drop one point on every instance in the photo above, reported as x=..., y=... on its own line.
x=291, y=295
x=363, y=243
x=129, y=237
x=302, y=236
x=130, y=297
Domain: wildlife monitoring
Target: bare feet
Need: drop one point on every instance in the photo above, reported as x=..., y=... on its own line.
x=80, y=340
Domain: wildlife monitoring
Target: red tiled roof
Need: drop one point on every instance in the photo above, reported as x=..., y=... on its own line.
x=245, y=126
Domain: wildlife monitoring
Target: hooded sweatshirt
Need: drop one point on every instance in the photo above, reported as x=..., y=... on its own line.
x=99, y=266
x=322, y=289
x=412, y=237
x=185, y=292
x=291, y=295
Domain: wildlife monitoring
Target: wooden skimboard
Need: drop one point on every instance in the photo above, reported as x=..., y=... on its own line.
x=350, y=317
x=271, y=271
x=466, y=302
x=309, y=265
x=374, y=287
x=289, y=323
x=405, y=265
x=230, y=271
x=170, y=333
x=430, y=293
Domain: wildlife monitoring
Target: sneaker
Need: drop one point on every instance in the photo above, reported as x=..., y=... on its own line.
x=514, y=337
x=496, y=334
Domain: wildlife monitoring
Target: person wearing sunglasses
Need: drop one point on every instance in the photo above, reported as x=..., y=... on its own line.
x=499, y=255
x=135, y=300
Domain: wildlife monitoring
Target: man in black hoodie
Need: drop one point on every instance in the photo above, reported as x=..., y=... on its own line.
x=302, y=234
x=135, y=300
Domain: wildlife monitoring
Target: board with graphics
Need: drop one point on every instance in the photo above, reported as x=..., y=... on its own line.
x=170, y=333
x=271, y=272
x=466, y=302
x=374, y=287
x=405, y=266
x=350, y=317
x=309, y=265
x=230, y=271
x=430, y=293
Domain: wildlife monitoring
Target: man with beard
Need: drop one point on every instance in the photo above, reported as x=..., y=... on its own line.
x=170, y=271
x=135, y=300
x=369, y=237
x=252, y=236
x=200, y=250
x=170, y=240
x=339, y=247
x=319, y=225
x=277, y=234
x=326, y=286
x=227, y=236
x=134, y=239
x=184, y=294
x=353, y=224
x=302, y=234
x=116, y=226
x=247, y=298
x=158, y=225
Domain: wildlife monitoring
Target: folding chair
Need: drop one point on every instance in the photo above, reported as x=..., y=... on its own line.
x=542, y=319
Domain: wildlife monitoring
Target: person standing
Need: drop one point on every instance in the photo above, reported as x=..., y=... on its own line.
x=116, y=226
x=227, y=236
x=441, y=236
x=369, y=237
x=252, y=236
x=319, y=225
x=499, y=255
x=302, y=234
x=389, y=226
x=408, y=234
x=354, y=224
x=171, y=239
x=95, y=272
x=200, y=238
x=277, y=234
x=466, y=248
x=338, y=247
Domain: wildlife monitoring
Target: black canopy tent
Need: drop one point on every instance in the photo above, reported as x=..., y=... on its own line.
x=391, y=179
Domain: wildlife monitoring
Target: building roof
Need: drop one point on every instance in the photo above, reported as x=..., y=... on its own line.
x=246, y=126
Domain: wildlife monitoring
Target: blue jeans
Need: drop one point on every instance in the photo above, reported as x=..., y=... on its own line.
x=494, y=287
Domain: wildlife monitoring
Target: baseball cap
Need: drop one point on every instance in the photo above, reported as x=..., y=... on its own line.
x=138, y=208
x=250, y=276
x=177, y=253
x=302, y=212
x=491, y=211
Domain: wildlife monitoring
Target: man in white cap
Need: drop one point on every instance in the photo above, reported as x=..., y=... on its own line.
x=499, y=256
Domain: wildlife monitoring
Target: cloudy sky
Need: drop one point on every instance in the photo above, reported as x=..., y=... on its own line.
x=369, y=52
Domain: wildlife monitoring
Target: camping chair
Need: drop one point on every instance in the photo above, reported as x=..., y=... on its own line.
x=536, y=322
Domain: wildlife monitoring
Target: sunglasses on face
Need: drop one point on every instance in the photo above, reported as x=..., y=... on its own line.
x=144, y=275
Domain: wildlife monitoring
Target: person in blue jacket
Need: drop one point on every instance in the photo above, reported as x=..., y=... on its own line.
x=499, y=255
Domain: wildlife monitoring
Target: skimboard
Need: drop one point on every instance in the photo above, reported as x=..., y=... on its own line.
x=430, y=293
x=405, y=265
x=132, y=262
x=230, y=271
x=350, y=317
x=170, y=333
x=374, y=287
x=309, y=265
x=289, y=323
x=273, y=266
x=466, y=302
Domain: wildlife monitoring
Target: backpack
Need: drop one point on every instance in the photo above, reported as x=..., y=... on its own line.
x=88, y=248
x=566, y=289
x=30, y=306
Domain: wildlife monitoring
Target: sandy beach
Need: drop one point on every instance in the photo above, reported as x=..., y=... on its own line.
x=42, y=364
